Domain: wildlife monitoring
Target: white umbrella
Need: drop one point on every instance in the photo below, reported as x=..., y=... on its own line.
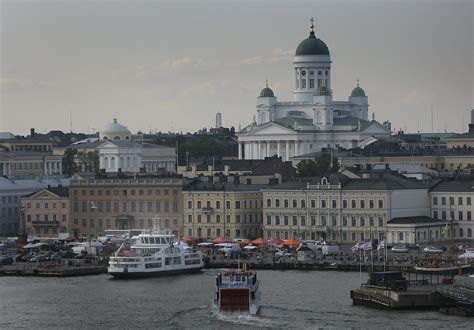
x=250, y=247
x=467, y=255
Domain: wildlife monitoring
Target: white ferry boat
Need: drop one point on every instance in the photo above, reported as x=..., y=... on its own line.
x=154, y=254
x=237, y=292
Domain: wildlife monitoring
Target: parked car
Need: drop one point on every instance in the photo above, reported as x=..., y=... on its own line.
x=282, y=253
x=6, y=260
x=432, y=249
x=400, y=249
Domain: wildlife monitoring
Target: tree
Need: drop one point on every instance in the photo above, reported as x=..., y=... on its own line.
x=69, y=164
x=320, y=165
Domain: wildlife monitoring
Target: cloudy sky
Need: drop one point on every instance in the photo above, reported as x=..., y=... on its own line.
x=171, y=65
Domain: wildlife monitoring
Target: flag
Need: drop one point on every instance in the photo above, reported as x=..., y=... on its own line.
x=367, y=246
x=381, y=245
x=355, y=248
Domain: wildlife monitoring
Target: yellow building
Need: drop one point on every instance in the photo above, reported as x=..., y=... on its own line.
x=125, y=203
x=45, y=212
x=226, y=209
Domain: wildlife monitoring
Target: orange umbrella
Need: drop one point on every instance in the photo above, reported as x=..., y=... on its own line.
x=291, y=242
x=259, y=241
x=278, y=241
x=187, y=239
x=220, y=240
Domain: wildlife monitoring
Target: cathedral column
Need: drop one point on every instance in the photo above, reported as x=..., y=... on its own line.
x=278, y=148
x=240, y=150
x=287, y=153
x=296, y=149
x=251, y=150
x=268, y=149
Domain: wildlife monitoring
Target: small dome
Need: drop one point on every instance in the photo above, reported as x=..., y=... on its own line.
x=267, y=91
x=114, y=131
x=115, y=127
x=323, y=90
x=358, y=92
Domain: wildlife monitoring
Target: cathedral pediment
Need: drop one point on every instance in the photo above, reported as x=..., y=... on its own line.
x=270, y=129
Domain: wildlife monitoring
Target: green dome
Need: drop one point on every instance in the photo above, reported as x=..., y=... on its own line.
x=312, y=46
x=267, y=92
x=358, y=92
x=323, y=90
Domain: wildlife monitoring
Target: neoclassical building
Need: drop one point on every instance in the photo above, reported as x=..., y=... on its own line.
x=313, y=120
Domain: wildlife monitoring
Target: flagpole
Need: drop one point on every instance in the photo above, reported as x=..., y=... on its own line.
x=360, y=267
x=371, y=251
x=385, y=249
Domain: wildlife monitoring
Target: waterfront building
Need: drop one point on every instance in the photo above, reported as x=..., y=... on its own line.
x=453, y=200
x=465, y=140
x=125, y=202
x=11, y=191
x=341, y=209
x=45, y=212
x=228, y=209
x=30, y=143
x=313, y=120
x=416, y=230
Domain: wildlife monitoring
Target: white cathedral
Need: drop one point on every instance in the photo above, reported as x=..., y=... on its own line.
x=312, y=121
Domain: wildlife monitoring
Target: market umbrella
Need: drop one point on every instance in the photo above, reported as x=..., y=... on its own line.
x=291, y=242
x=259, y=241
x=188, y=240
x=278, y=241
x=220, y=240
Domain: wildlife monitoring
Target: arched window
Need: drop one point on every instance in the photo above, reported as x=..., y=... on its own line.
x=400, y=236
x=112, y=162
x=116, y=137
x=469, y=232
x=106, y=162
x=461, y=232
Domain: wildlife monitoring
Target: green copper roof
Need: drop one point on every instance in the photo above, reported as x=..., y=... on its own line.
x=267, y=92
x=358, y=92
x=323, y=90
x=312, y=46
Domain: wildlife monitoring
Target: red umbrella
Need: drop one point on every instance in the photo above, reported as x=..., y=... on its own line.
x=220, y=240
x=70, y=239
x=259, y=241
x=291, y=242
x=278, y=241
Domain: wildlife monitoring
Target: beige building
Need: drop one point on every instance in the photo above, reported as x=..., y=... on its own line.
x=418, y=230
x=232, y=210
x=454, y=200
x=125, y=203
x=29, y=163
x=340, y=209
x=45, y=212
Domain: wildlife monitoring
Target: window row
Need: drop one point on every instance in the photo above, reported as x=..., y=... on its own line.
x=324, y=203
x=126, y=192
x=142, y=207
x=46, y=205
x=452, y=200
x=244, y=219
x=99, y=223
x=246, y=204
x=452, y=215
x=45, y=217
x=324, y=221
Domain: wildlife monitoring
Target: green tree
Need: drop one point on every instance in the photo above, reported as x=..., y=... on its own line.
x=69, y=164
x=320, y=165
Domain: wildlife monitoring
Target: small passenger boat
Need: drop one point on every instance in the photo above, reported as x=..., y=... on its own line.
x=237, y=292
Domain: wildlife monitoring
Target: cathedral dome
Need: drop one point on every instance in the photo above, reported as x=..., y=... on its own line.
x=323, y=90
x=312, y=45
x=358, y=92
x=114, y=131
x=267, y=92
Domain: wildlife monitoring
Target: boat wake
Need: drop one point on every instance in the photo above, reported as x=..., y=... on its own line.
x=247, y=319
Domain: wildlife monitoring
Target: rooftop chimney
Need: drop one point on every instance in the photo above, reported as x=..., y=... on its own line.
x=32, y=132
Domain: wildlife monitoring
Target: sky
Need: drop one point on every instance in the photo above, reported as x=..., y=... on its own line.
x=171, y=65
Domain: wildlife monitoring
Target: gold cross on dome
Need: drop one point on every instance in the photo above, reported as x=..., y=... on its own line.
x=312, y=25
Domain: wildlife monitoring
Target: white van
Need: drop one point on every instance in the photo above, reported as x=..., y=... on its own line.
x=228, y=247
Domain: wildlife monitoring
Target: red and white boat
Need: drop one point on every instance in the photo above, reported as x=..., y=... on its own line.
x=237, y=292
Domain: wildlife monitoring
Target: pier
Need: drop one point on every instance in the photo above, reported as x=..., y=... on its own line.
x=67, y=268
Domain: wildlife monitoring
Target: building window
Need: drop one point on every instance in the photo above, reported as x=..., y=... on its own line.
x=344, y=203
x=459, y=200
x=199, y=204
x=295, y=221
x=303, y=203
x=323, y=203
x=218, y=219
x=362, y=204
x=190, y=204
x=400, y=236
x=237, y=204
x=443, y=200
x=371, y=221
x=362, y=221
x=303, y=83
x=451, y=200
x=269, y=220
x=311, y=83
x=334, y=204
x=218, y=204
x=286, y=203
x=353, y=204
x=353, y=222
x=371, y=204
x=334, y=221
x=295, y=203
x=199, y=218
x=303, y=220
x=190, y=218
x=285, y=219
x=269, y=202
x=468, y=200
x=435, y=215
x=323, y=220
x=313, y=203
x=468, y=215
x=443, y=215
x=277, y=220
x=435, y=200
x=460, y=215
x=380, y=203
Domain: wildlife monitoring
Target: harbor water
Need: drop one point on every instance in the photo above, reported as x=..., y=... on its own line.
x=290, y=299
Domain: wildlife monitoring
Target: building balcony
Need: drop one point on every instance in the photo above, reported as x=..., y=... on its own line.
x=45, y=223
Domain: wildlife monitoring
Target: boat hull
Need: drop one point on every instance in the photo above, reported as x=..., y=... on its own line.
x=134, y=275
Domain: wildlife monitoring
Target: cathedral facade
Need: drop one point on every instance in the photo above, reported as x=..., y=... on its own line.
x=313, y=120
